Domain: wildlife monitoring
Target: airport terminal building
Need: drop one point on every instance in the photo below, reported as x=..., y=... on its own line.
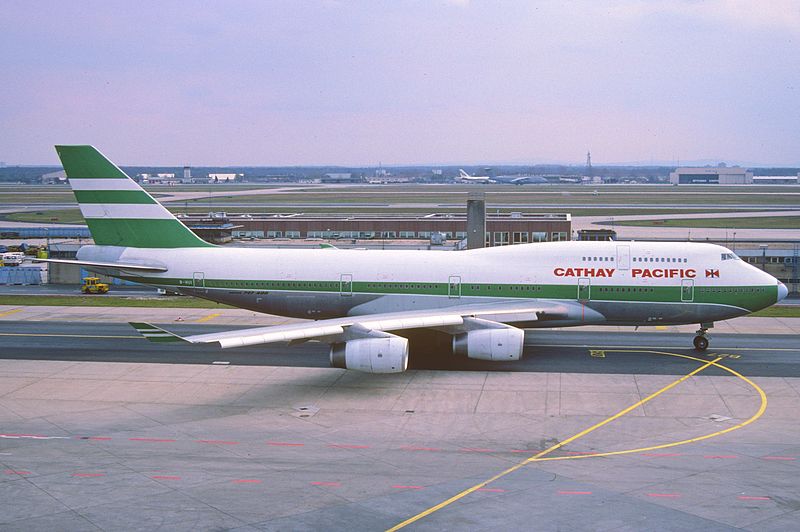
x=501, y=229
x=711, y=176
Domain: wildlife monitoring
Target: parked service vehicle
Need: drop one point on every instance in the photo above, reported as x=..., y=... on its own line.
x=13, y=258
x=92, y=285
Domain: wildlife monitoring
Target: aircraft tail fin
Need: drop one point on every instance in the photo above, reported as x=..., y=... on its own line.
x=117, y=210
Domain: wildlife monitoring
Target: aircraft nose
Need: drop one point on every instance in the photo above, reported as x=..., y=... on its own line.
x=782, y=291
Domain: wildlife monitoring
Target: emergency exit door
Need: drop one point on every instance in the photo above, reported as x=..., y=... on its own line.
x=584, y=289
x=346, y=284
x=454, y=287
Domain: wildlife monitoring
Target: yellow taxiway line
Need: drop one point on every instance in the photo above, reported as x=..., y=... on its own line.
x=10, y=312
x=207, y=318
x=541, y=456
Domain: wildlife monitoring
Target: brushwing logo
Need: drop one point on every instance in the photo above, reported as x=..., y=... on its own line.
x=714, y=274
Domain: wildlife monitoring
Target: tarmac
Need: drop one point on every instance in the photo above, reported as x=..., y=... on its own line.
x=586, y=436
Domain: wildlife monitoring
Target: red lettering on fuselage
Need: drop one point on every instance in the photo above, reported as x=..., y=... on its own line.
x=664, y=273
x=584, y=272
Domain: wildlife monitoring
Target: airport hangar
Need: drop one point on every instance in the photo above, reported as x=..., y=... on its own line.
x=721, y=175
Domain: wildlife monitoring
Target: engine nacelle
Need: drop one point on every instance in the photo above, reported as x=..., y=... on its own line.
x=388, y=354
x=490, y=344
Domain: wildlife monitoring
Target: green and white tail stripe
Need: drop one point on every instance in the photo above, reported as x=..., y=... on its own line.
x=155, y=334
x=117, y=210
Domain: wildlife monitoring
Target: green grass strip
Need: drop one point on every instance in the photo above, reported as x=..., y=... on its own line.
x=779, y=311
x=109, y=301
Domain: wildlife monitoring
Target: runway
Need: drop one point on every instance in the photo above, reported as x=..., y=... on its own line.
x=590, y=431
x=568, y=351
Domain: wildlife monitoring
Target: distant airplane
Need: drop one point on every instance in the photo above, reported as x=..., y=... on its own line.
x=483, y=298
x=520, y=180
x=466, y=178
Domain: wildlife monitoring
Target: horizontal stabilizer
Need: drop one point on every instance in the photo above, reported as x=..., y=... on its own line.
x=114, y=265
x=156, y=334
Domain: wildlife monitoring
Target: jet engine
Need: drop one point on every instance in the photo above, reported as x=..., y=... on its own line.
x=502, y=343
x=387, y=354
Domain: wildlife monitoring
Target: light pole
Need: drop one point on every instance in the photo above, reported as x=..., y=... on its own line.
x=763, y=256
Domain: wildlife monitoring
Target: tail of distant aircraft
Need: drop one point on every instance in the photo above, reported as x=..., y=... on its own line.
x=117, y=210
x=463, y=174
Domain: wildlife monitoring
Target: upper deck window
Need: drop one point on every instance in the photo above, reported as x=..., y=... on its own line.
x=730, y=256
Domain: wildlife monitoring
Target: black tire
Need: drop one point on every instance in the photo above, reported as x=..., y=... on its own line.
x=700, y=343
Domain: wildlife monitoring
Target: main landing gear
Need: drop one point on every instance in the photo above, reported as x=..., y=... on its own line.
x=701, y=340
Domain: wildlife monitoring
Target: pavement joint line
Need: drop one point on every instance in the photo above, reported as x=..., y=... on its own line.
x=541, y=455
x=394, y=486
x=405, y=448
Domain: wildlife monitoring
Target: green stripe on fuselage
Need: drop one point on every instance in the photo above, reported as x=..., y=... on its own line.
x=135, y=197
x=751, y=298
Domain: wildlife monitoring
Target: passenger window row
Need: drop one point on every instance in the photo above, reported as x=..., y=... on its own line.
x=659, y=259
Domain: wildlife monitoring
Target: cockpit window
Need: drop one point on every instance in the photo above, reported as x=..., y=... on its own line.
x=730, y=256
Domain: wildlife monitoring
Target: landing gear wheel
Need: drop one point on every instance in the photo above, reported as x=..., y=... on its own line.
x=700, y=343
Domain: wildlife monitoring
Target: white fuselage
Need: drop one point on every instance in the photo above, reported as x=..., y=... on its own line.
x=612, y=282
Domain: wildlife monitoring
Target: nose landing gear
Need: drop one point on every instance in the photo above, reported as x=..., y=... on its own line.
x=701, y=340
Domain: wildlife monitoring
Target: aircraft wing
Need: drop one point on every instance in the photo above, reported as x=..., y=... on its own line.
x=334, y=330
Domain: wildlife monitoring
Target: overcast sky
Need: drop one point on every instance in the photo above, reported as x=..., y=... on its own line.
x=325, y=82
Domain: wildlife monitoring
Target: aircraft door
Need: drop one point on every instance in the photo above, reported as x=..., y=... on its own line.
x=199, y=280
x=346, y=284
x=623, y=257
x=687, y=290
x=584, y=289
x=454, y=287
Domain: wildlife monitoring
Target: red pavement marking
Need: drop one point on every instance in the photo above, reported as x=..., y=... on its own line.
x=492, y=490
x=408, y=487
x=662, y=454
x=414, y=448
x=669, y=495
x=720, y=456
x=88, y=475
x=285, y=444
x=580, y=453
x=565, y=492
x=247, y=481
x=752, y=498
x=325, y=484
x=469, y=450
x=219, y=442
x=100, y=438
x=165, y=477
x=526, y=450
x=16, y=472
x=779, y=458
x=346, y=446
x=153, y=440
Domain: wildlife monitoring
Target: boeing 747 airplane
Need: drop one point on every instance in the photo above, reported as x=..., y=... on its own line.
x=464, y=177
x=357, y=300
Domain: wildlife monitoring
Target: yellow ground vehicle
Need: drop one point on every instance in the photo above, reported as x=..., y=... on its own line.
x=92, y=285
